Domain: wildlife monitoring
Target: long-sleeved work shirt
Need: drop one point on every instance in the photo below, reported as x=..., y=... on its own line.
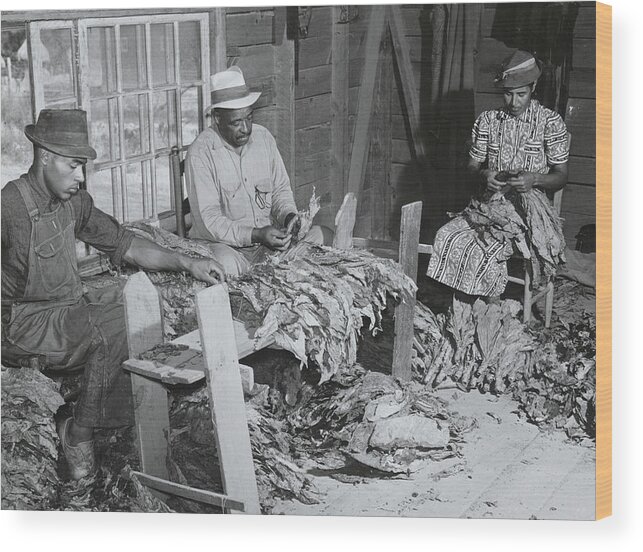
x=93, y=226
x=233, y=192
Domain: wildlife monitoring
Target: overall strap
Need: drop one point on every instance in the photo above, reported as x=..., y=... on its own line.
x=27, y=197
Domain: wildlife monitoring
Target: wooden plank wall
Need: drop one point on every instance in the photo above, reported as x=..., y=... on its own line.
x=313, y=110
x=579, y=199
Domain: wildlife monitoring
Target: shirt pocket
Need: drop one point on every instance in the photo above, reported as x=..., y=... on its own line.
x=263, y=194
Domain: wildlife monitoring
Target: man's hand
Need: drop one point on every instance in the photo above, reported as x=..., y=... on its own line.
x=489, y=178
x=206, y=270
x=293, y=224
x=272, y=237
x=523, y=182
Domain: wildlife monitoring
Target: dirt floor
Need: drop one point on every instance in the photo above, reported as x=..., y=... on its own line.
x=509, y=469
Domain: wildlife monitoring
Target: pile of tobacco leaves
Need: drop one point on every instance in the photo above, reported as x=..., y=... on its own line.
x=312, y=301
x=33, y=475
x=551, y=373
x=29, y=440
x=523, y=222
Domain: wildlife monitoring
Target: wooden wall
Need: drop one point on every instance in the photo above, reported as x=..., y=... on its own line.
x=579, y=199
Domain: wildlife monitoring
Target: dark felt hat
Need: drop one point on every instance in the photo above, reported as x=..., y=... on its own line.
x=519, y=69
x=62, y=131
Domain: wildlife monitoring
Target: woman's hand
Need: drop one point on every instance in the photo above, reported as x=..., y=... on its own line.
x=522, y=183
x=489, y=178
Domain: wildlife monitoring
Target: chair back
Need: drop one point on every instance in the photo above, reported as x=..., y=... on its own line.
x=181, y=203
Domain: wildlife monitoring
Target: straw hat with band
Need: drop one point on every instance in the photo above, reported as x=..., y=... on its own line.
x=63, y=132
x=229, y=90
x=519, y=69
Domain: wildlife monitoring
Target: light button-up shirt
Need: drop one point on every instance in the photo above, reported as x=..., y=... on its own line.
x=232, y=191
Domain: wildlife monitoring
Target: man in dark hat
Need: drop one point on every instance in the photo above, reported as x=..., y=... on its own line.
x=238, y=187
x=47, y=320
x=520, y=149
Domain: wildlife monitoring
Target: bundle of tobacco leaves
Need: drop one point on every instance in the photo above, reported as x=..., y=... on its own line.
x=306, y=217
x=369, y=418
x=29, y=440
x=311, y=301
x=195, y=459
x=476, y=345
x=559, y=388
x=523, y=222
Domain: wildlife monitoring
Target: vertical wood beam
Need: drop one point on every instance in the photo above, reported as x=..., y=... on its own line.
x=226, y=396
x=144, y=330
x=405, y=311
x=285, y=93
x=339, y=109
x=361, y=142
x=381, y=145
x=410, y=93
x=218, y=57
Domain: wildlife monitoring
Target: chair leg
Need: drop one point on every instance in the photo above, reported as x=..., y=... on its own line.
x=549, y=303
x=526, y=301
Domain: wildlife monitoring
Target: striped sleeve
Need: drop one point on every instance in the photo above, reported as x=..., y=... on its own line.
x=480, y=138
x=556, y=146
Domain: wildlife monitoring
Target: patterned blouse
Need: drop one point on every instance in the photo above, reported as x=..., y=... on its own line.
x=530, y=142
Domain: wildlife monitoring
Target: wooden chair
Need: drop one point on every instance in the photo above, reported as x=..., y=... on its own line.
x=213, y=353
x=529, y=299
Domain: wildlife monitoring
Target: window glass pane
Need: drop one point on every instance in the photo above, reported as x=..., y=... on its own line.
x=164, y=119
x=100, y=130
x=190, y=51
x=57, y=63
x=136, y=125
x=190, y=114
x=133, y=65
x=102, y=61
x=162, y=53
x=134, y=192
x=100, y=187
x=163, y=185
x=16, y=106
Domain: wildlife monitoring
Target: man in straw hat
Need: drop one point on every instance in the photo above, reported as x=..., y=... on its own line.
x=518, y=150
x=47, y=320
x=237, y=184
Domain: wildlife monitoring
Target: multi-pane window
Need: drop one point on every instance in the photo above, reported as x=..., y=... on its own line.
x=144, y=84
x=145, y=90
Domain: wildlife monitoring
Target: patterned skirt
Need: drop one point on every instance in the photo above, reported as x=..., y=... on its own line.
x=461, y=262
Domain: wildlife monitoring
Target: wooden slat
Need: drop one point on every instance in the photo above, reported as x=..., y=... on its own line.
x=488, y=15
x=584, y=53
x=339, y=108
x=314, y=51
x=312, y=111
x=580, y=118
x=320, y=21
x=144, y=330
x=412, y=22
x=585, y=26
x=226, y=396
x=401, y=151
x=582, y=170
x=285, y=94
x=313, y=140
x=404, y=312
x=345, y=222
x=247, y=29
x=380, y=150
x=359, y=152
x=312, y=168
x=313, y=81
x=191, y=493
x=582, y=83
